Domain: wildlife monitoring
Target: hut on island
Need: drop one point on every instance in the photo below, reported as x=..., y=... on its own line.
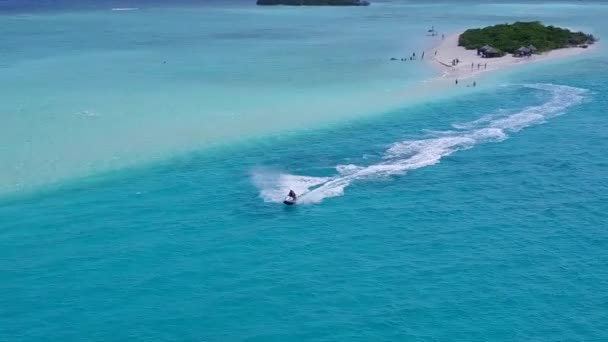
x=483, y=49
x=487, y=51
x=492, y=53
x=523, y=52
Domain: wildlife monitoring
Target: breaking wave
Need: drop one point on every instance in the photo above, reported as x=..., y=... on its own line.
x=408, y=155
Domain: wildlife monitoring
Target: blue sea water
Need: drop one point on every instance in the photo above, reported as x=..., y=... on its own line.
x=474, y=217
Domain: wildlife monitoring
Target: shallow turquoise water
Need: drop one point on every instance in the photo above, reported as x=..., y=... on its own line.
x=90, y=91
x=474, y=218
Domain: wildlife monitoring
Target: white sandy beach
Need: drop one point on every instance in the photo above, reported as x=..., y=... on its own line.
x=447, y=49
x=471, y=64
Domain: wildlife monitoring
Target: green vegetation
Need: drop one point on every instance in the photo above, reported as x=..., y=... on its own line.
x=510, y=37
x=314, y=2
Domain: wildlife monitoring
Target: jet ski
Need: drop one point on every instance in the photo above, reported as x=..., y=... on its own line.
x=291, y=198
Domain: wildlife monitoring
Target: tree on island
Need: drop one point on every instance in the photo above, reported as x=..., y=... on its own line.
x=511, y=37
x=314, y=2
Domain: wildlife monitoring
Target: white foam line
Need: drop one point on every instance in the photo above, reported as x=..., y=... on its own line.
x=409, y=155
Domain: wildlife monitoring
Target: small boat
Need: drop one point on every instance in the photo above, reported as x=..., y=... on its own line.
x=291, y=198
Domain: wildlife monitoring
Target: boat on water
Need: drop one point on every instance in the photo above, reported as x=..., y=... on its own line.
x=291, y=198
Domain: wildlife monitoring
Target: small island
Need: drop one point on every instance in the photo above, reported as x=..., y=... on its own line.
x=521, y=39
x=462, y=56
x=314, y=2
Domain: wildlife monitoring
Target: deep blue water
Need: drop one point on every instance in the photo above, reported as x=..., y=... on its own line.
x=36, y=6
x=505, y=240
x=58, y=5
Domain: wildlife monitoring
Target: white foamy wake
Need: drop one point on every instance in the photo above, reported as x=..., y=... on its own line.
x=274, y=185
x=414, y=154
x=125, y=9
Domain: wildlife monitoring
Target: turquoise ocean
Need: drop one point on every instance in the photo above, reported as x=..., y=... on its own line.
x=145, y=149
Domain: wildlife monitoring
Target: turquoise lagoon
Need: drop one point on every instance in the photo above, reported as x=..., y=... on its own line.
x=145, y=152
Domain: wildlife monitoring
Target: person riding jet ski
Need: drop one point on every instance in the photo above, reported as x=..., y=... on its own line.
x=291, y=198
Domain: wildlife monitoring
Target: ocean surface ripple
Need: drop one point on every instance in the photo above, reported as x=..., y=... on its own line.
x=409, y=155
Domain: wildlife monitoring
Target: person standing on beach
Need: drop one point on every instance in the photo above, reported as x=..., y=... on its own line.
x=474, y=84
x=422, y=57
x=472, y=65
x=456, y=81
x=486, y=66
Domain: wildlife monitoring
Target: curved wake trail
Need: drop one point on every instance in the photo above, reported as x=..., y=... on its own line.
x=409, y=155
